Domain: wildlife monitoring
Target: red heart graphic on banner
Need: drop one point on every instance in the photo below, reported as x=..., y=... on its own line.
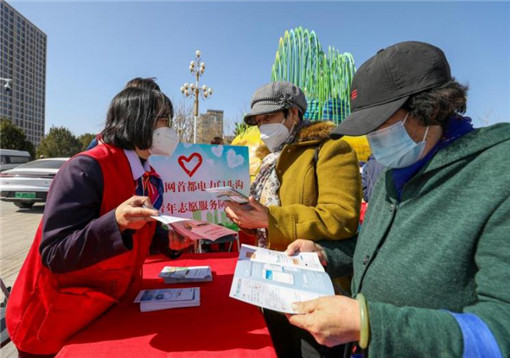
x=186, y=162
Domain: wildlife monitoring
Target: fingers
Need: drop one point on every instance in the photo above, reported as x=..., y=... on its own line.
x=255, y=203
x=306, y=322
x=134, y=213
x=293, y=248
x=301, y=320
x=142, y=212
x=231, y=213
x=232, y=205
x=252, y=204
x=142, y=206
x=139, y=219
x=232, y=216
x=298, y=320
x=137, y=200
x=257, y=206
x=255, y=217
x=235, y=215
x=300, y=245
x=304, y=314
x=148, y=204
x=305, y=306
x=331, y=320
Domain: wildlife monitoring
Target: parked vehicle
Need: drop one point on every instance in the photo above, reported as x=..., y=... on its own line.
x=12, y=158
x=29, y=183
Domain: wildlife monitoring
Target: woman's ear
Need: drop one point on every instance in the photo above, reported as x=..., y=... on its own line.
x=295, y=114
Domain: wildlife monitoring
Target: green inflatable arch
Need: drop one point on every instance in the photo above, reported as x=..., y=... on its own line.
x=324, y=77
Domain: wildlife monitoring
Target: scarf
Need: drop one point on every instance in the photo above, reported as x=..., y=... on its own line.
x=151, y=185
x=266, y=185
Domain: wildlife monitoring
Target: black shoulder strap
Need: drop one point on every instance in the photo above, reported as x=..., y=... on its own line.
x=316, y=154
x=315, y=160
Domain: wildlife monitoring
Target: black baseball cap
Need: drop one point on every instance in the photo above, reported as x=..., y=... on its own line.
x=385, y=82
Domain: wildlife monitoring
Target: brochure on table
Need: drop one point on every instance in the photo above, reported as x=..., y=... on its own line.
x=191, y=170
x=181, y=274
x=273, y=280
x=161, y=299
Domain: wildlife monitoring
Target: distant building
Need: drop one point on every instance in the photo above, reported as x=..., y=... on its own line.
x=209, y=125
x=22, y=59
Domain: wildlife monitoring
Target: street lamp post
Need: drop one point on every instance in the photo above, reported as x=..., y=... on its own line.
x=197, y=69
x=7, y=84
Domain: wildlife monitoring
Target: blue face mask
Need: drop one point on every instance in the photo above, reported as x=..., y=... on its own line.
x=394, y=148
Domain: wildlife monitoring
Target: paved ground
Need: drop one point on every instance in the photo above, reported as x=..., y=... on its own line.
x=17, y=229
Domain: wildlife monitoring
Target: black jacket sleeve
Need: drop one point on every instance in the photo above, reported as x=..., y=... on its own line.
x=74, y=236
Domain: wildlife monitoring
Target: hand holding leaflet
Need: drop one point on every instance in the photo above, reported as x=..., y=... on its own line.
x=304, y=260
x=227, y=193
x=273, y=280
x=255, y=217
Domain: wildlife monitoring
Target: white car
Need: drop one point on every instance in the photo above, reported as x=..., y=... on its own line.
x=29, y=183
x=12, y=158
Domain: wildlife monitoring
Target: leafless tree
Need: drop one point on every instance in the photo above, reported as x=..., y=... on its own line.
x=183, y=121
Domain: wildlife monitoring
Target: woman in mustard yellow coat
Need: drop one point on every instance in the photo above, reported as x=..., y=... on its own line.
x=308, y=186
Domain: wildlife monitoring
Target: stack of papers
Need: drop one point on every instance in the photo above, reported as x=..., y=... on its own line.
x=174, y=274
x=161, y=299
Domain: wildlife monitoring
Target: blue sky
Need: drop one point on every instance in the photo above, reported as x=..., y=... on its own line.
x=95, y=47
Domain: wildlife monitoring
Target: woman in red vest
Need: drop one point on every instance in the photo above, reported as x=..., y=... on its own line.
x=96, y=229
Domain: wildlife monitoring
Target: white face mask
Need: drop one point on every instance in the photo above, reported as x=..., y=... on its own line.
x=164, y=141
x=273, y=134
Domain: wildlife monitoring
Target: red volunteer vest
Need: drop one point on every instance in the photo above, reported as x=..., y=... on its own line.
x=46, y=308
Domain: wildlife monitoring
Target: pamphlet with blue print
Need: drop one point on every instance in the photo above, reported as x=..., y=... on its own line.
x=161, y=299
x=182, y=274
x=274, y=280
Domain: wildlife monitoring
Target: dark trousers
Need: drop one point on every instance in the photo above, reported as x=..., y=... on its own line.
x=291, y=341
x=22, y=354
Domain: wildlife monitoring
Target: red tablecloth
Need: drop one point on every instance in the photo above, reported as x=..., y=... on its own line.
x=220, y=327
